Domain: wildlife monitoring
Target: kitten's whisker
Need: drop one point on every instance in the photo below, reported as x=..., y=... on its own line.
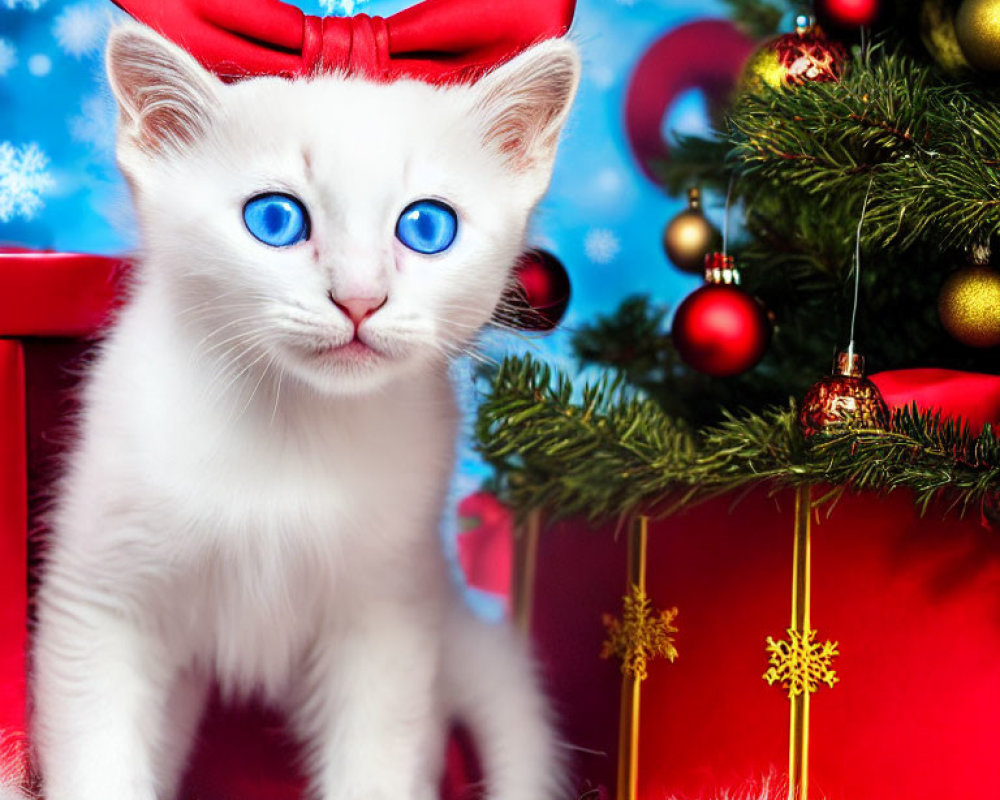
x=242, y=348
x=277, y=394
x=190, y=317
x=447, y=322
x=237, y=376
x=479, y=357
x=255, y=336
x=228, y=362
x=204, y=302
x=263, y=374
x=454, y=349
x=231, y=323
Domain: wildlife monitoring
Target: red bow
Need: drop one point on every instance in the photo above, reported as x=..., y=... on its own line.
x=437, y=41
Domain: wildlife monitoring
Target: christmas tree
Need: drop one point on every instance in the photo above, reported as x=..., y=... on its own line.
x=863, y=170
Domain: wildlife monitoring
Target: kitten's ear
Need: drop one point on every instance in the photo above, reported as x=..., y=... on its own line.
x=524, y=103
x=165, y=96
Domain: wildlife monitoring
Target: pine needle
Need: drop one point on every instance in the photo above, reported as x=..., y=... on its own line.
x=611, y=452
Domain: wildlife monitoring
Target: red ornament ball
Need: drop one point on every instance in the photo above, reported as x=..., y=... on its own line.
x=847, y=13
x=540, y=295
x=720, y=330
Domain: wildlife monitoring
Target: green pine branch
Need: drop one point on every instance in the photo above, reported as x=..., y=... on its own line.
x=759, y=18
x=606, y=451
x=803, y=160
x=928, y=147
x=634, y=341
x=923, y=152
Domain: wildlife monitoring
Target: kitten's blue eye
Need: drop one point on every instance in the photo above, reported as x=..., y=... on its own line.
x=427, y=226
x=276, y=219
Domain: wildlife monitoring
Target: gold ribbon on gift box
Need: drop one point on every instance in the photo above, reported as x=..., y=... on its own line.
x=525, y=565
x=800, y=663
x=642, y=634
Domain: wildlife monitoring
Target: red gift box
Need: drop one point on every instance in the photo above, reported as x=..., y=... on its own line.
x=908, y=609
x=52, y=309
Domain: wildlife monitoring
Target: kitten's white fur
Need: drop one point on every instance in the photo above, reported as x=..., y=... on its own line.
x=240, y=506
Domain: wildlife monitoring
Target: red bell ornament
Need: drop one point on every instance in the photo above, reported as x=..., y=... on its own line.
x=719, y=329
x=540, y=295
x=845, y=400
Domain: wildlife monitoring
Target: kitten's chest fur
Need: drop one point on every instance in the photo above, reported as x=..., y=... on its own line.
x=262, y=524
x=293, y=552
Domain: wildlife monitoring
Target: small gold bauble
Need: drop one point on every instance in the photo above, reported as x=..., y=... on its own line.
x=977, y=30
x=689, y=236
x=969, y=306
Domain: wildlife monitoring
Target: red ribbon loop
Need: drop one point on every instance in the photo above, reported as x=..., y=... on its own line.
x=437, y=40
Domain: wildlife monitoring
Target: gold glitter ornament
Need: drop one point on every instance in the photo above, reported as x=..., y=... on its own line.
x=969, y=306
x=977, y=30
x=689, y=236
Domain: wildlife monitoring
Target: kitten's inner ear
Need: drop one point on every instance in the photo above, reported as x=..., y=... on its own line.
x=525, y=102
x=165, y=96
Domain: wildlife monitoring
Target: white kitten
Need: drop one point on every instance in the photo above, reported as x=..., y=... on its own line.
x=268, y=432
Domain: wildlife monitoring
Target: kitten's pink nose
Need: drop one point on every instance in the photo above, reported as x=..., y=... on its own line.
x=359, y=308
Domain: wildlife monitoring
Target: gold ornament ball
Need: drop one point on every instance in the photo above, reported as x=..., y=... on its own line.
x=763, y=68
x=977, y=30
x=969, y=306
x=689, y=236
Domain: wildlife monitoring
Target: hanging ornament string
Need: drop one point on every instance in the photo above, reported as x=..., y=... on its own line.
x=845, y=399
x=720, y=329
x=725, y=215
x=857, y=266
x=865, y=39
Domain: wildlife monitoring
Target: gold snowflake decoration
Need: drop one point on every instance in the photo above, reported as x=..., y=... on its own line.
x=641, y=634
x=801, y=664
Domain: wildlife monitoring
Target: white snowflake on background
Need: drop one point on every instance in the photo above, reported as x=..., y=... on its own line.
x=8, y=57
x=609, y=181
x=30, y=5
x=80, y=29
x=341, y=8
x=95, y=124
x=602, y=75
x=39, y=65
x=23, y=179
x=601, y=245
